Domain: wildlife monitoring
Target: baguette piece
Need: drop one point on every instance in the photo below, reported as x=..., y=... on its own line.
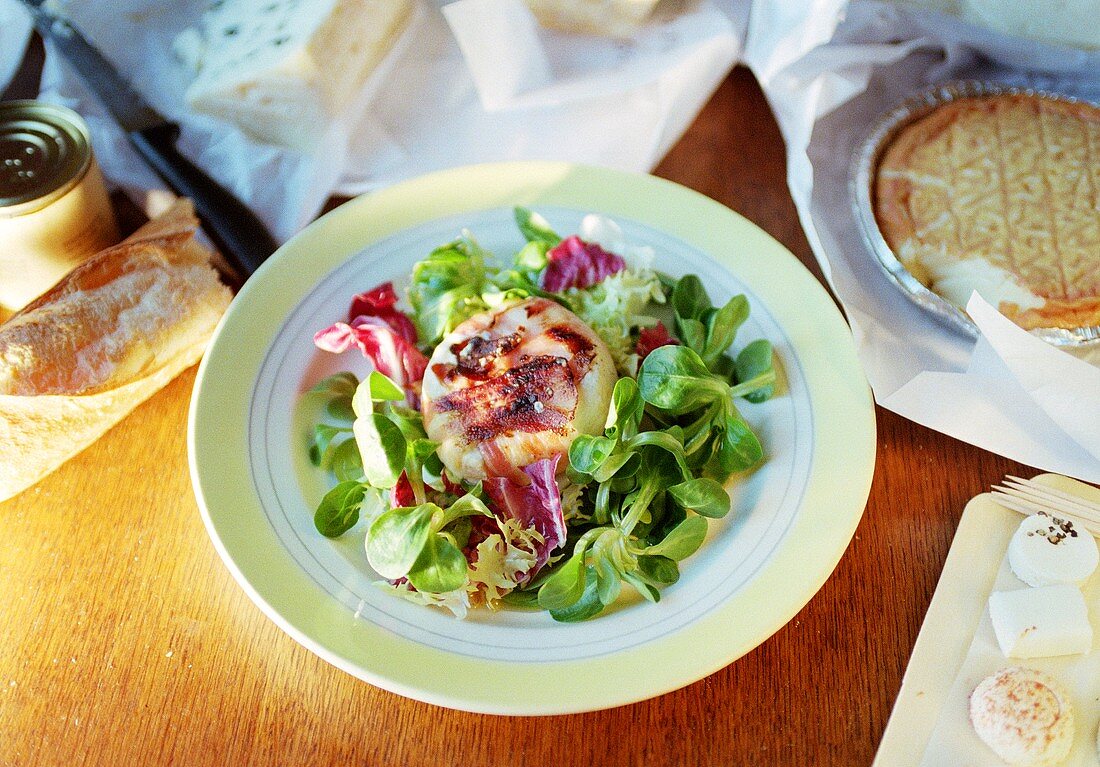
x=110, y=334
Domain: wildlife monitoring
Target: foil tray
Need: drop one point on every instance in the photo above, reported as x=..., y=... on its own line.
x=862, y=180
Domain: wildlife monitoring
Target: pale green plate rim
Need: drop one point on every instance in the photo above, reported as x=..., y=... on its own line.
x=837, y=488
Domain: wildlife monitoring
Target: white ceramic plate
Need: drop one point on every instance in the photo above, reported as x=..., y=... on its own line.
x=791, y=519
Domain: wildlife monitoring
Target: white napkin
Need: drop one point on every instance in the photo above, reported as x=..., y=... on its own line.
x=1066, y=388
x=1018, y=396
x=424, y=113
x=517, y=64
x=830, y=69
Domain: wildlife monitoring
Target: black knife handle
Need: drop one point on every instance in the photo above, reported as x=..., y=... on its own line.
x=236, y=231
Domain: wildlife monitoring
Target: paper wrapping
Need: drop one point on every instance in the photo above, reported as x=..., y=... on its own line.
x=430, y=107
x=830, y=70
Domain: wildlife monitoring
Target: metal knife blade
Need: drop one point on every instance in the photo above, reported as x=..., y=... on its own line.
x=237, y=232
x=127, y=106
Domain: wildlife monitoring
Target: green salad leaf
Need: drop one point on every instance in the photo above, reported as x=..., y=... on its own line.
x=440, y=567
x=397, y=538
x=382, y=447
x=755, y=362
x=339, y=509
x=446, y=288
x=637, y=497
x=535, y=228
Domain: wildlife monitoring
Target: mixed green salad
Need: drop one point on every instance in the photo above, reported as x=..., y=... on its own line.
x=564, y=533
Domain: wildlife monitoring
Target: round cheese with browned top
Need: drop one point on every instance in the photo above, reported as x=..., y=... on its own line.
x=1024, y=716
x=512, y=386
x=999, y=194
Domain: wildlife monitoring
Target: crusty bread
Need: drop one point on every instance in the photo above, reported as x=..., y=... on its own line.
x=115, y=330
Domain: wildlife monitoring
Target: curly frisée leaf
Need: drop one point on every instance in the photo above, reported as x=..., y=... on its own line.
x=500, y=562
x=617, y=305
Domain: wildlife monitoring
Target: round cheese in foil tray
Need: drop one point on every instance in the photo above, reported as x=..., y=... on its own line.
x=979, y=186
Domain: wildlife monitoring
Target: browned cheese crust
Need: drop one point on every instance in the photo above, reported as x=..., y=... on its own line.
x=1011, y=179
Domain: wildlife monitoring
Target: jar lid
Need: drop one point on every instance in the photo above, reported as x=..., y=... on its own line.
x=44, y=151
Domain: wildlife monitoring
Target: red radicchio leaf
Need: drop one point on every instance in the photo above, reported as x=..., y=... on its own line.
x=574, y=263
x=391, y=354
x=652, y=338
x=536, y=505
x=402, y=494
x=381, y=302
x=385, y=336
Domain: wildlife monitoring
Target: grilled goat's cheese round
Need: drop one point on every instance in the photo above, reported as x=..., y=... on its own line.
x=509, y=387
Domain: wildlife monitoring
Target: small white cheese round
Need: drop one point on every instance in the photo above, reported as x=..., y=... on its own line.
x=1046, y=550
x=1024, y=716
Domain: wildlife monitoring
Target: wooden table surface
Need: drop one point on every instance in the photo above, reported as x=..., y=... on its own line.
x=125, y=641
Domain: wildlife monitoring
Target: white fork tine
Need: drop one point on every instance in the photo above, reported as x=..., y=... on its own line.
x=1046, y=501
x=1027, y=507
x=1036, y=488
x=1029, y=497
x=1053, y=504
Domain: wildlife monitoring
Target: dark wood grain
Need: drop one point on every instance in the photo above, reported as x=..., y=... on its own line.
x=126, y=641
